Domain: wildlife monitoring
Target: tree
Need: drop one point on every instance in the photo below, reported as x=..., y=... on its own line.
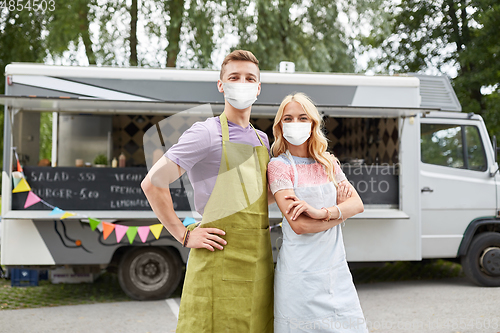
x=444, y=35
x=133, y=33
x=68, y=24
x=20, y=40
x=289, y=30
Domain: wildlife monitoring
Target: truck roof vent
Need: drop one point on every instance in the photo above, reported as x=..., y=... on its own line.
x=437, y=92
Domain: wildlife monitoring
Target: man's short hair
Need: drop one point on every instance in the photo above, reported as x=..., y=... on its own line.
x=238, y=55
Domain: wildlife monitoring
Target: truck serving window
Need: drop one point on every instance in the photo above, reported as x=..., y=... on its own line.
x=455, y=146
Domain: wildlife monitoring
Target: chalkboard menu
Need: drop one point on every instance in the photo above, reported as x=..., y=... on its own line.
x=375, y=184
x=72, y=188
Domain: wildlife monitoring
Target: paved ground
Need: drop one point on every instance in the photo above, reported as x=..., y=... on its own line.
x=137, y=317
x=438, y=306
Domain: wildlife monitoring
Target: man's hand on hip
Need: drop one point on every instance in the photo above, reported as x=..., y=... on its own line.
x=206, y=238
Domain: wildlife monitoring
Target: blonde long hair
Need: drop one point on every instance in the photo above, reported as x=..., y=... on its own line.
x=317, y=142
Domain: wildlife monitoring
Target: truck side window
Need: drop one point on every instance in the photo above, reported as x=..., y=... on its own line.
x=475, y=149
x=443, y=144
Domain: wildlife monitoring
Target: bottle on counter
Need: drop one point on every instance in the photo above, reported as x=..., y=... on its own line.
x=122, y=160
x=114, y=162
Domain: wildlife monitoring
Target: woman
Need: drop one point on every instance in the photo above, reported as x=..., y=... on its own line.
x=313, y=286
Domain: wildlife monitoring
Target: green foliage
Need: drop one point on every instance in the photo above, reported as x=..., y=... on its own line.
x=20, y=40
x=419, y=36
x=68, y=24
x=289, y=30
x=200, y=21
x=46, y=135
x=101, y=159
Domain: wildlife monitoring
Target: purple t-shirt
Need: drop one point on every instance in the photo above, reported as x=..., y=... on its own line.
x=199, y=152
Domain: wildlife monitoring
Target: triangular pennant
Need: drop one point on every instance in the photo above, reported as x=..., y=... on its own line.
x=143, y=233
x=66, y=215
x=188, y=220
x=56, y=211
x=120, y=231
x=31, y=199
x=131, y=232
x=22, y=186
x=93, y=223
x=156, y=229
x=16, y=177
x=107, y=229
x=19, y=166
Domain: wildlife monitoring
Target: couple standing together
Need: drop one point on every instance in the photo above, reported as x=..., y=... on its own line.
x=230, y=277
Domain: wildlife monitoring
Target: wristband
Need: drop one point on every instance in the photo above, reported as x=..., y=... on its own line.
x=185, y=239
x=340, y=213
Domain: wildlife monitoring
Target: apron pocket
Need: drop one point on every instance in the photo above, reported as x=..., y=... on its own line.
x=247, y=255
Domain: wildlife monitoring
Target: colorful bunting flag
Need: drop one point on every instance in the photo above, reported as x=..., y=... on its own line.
x=22, y=186
x=188, y=220
x=31, y=199
x=120, y=231
x=56, y=211
x=156, y=229
x=143, y=233
x=16, y=177
x=107, y=229
x=66, y=215
x=131, y=232
x=93, y=223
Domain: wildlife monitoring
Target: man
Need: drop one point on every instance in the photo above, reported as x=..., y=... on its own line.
x=229, y=280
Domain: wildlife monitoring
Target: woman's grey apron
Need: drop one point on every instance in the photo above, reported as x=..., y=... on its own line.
x=313, y=287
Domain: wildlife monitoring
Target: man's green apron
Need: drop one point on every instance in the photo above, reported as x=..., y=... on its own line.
x=232, y=290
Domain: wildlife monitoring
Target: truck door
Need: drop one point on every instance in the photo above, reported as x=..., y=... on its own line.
x=455, y=183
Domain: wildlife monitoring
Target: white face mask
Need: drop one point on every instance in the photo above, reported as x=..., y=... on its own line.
x=240, y=95
x=296, y=133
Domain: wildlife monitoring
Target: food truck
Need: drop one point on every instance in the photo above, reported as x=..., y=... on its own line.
x=427, y=172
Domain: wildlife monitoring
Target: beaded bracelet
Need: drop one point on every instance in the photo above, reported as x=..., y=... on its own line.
x=328, y=214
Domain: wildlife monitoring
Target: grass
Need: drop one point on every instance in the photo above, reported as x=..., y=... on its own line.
x=107, y=289
x=408, y=270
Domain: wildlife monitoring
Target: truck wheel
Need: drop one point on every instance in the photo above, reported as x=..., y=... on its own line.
x=149, y=273
x=481, y=264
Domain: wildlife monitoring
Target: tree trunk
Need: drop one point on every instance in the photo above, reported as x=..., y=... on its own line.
x=83, y=12
x=133, y=34
x=175, y=9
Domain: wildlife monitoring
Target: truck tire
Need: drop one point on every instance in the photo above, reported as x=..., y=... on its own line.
x=149, y=273
x=481, y=264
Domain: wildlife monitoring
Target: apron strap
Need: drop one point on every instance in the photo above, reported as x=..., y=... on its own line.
x=225, y=137
x=224, y=127
x=295, y=173
x=260, y=139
